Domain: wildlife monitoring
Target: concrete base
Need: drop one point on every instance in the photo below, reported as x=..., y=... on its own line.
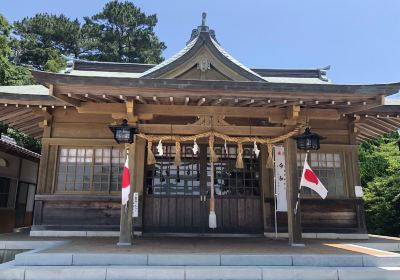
x=322, y=235
x=297, y=245
x=35, y=258
x=124, y=244
x=71, y=233
x=197, y=273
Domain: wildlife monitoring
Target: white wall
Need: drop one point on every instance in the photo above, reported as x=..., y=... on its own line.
x=31, y=198
x=11, y=171
x=29, y=171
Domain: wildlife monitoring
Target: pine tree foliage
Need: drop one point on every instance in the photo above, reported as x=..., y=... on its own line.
x=122, y=33
x=10, y=74
x=23, y=140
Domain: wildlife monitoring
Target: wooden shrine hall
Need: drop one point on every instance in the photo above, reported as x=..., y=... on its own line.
x=201, y=89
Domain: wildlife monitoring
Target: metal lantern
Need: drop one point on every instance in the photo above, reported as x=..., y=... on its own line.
x=308, y=140
x=123, y=133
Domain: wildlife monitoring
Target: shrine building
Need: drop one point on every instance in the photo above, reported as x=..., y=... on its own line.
x=201, y=97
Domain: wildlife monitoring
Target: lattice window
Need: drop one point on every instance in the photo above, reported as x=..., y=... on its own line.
x=167, y=179
x=231, y=181
x=89, y=169
x=329, y=169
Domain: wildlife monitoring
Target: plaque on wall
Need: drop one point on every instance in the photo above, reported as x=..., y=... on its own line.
x=135, y=213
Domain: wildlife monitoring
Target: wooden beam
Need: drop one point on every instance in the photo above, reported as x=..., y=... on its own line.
x=79, y=97
x=272, y=104
x=34, y=131
x=381, y=122
x=279, y=115
x=93, y=98
x=292, y=115
x=258, y=103
x=64, y=98
x=393, y=121
x=196, y=129
x=366, y=131
x=101, y=108
x=216, y=102
x=27, y=116
x=111, y=98
x=140, y=99
x=44, y=112
x=287, y=104
x=7, y=110
x=372, y=128
x=25, y=119
x=32, y=125
x=187, y=99
x=246, y=102
x=155, y=100
x=359, y=108
x=17, y=113
x=201, y=101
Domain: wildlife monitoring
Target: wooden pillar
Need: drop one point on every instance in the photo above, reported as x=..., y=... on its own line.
x=126, y=229
x=44, y=160
x=294, y=221
x=266, y=190
x=138, y=175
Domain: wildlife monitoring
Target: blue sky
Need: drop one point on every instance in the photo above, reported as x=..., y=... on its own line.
x=360, y=39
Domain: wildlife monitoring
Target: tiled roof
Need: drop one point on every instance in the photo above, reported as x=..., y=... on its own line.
x=171, y=59
x=235, y=61
x=10, y=143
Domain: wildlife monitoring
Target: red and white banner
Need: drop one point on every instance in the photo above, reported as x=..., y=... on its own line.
x=310, y=180
x=126, y=182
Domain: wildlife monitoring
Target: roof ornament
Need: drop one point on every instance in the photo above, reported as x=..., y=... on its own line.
x=202, y=28
x=322, y=73
x=204, y=63
x=203, y=19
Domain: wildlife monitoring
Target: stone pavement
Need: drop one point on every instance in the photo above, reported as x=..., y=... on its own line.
x=200, y=258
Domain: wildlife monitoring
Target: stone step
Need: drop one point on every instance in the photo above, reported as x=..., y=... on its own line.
x=317, y=260
x=8, y=272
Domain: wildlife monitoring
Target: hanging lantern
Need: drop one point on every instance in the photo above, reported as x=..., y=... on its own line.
x=123, y=133
x=308, y=140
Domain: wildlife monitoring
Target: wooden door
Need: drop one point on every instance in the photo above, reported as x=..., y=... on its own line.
x=172, y=194
x=236, y=191
x=177, y=198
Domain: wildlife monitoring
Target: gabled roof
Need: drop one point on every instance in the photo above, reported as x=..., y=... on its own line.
x=86, y=68
x=203, y=53
x=202, y=39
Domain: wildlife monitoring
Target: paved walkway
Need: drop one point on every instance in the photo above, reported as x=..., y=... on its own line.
x=218, y=245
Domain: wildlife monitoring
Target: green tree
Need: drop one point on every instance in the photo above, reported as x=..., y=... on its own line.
x=22, y=139
x=121, y=32
x=380, y=176
x=44, y=38
x=10, y=74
